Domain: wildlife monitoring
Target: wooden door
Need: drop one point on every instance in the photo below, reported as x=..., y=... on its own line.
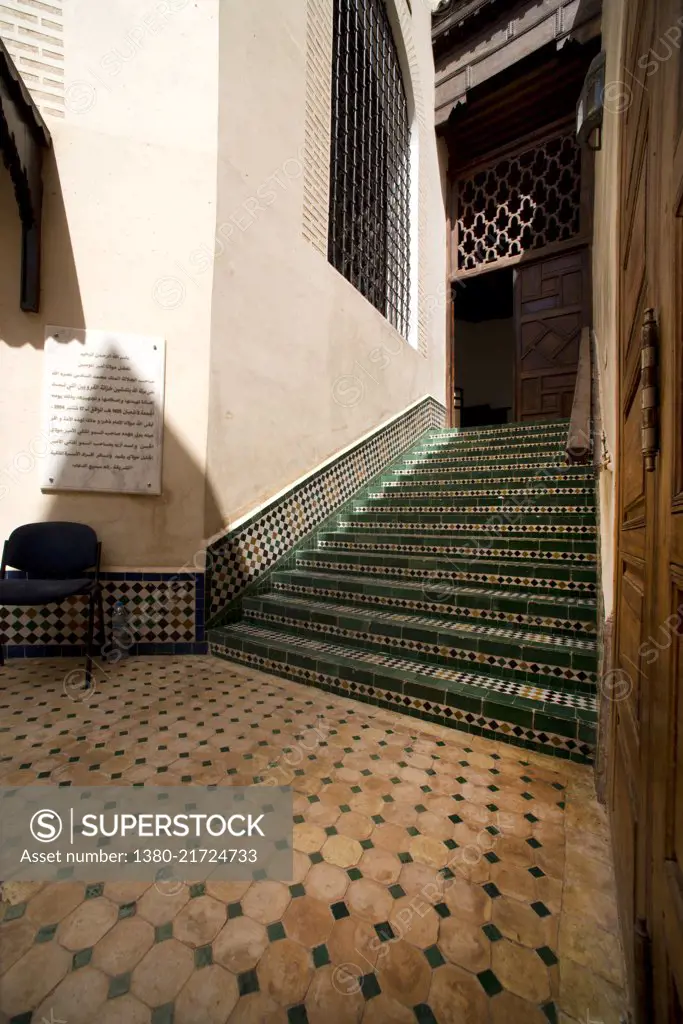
x=551, y=308
x=646, y=764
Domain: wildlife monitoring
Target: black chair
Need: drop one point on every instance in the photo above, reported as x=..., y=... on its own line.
x=59, y=560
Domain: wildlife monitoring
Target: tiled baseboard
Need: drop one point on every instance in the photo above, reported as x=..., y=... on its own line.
x=166, y=611
x=239, y=558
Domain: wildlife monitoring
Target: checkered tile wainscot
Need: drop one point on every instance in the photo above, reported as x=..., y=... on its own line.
x=242, y=555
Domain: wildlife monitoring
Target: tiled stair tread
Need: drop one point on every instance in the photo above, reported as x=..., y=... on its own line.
x=458, y=586
x=532, y=575
x=559, y=426
x=566, y=601
x=473, y=541
x=552, y=528
x=491, y=565
x=425, y=475
x=427, y=624
x=531, y=664
x=474, y=507
x=396, y=487
x=584, y=705
x=411, y=546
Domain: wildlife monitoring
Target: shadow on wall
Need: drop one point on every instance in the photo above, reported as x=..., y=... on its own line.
x=137, y=531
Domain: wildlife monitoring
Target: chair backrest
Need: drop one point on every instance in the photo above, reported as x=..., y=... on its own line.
x=52, y=550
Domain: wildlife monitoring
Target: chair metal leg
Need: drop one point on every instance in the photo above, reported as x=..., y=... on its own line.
x=91, y=630
x=100, y=612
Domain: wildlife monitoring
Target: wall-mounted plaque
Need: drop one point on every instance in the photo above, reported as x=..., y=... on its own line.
x=103, y=411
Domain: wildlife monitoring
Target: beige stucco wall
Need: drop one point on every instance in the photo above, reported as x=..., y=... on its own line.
x=129, y=189
x=301, y=363
x=605, y=281
x=174, y=206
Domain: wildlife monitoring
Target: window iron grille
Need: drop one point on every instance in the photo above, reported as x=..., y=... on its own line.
x=369, y=227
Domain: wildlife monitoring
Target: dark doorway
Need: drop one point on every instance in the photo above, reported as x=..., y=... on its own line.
x=484, y=356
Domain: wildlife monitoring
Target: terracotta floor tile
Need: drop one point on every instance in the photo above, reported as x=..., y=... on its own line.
x=162, y=972
x=78, y=998
x=369, y=900
x=507, y=1008
x=258, y=1008
x=342, y=851
x=124, y=946
x=16, y=938
x=369, y=785
x=414, y=919
x=123, y=1010
x=86, y=925
x=285, y=971
x=161, y=903
x=334, y=997
x=467, y=901
x=32, y=977
x=380, y=865
x=403, y=972
x=326, y=882
x=199, y=921
x=464, y=944
x=266, y=901
x=240, y=944
x=520, y=970
x=209, y=996
x=308, y=920
x=456, y=997
x=54, y=902
x=353, y=941
x=521, y=924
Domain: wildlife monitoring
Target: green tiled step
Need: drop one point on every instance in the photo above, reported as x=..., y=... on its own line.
x=464, y=442
x=467, y=546
x=527, y=489
x=581, y=517
x=485, y=572
x=453, y=698
x=493, y=431
x=514, y=472
x=388, y=500
x=570, y=614
x=537, y=451
x=506, y=459
x=490, y=528
x=537, y=658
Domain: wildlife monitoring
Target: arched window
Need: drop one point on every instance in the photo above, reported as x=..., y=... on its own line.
x=369, y=230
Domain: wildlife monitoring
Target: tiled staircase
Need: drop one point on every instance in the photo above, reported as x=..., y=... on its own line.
x=459, y=586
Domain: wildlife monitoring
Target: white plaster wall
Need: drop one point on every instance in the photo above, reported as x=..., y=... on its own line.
x=301, y=363
x=605, y=286
x=130, y=189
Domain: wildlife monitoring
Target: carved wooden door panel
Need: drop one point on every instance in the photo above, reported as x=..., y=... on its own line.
x=646, y=765
x=551, y=303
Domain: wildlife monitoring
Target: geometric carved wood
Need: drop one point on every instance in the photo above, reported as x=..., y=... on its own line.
x=520, y=204
x=550, y=308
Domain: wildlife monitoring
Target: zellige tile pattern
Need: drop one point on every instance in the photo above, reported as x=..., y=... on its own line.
x=438, y=876
x=380, y=602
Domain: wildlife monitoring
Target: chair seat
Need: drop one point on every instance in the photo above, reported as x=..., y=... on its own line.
x=39, y=592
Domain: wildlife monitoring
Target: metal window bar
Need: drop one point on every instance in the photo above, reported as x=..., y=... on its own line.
x=369, y=229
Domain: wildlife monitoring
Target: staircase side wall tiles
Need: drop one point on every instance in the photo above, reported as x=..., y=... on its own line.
x=240, y=557
x=165, y=613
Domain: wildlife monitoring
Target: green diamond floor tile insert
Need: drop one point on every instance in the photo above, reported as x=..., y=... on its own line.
x=458, y=585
